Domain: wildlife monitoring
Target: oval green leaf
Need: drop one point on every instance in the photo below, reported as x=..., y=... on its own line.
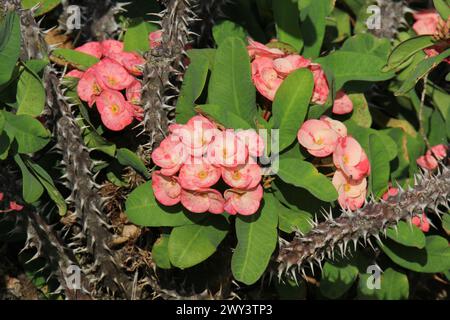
x=257, y=238
x=192, y=244
x=143, y=209
x=304, y=175
x=291, y=105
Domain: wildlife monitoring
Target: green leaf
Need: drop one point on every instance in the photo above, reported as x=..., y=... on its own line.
x=380, y=169
x=435, y=257
x=422, y=69
x=208, y=54
x=193, y=85
x=354, y=66
x=435, y=134
x=2, y=122
x=9, y=45
x=49, y=185
x=144, y=210
x=337, y=278
x=160, y=252
x=291, y=105
x=231, y=85
x=136, y=37
x=287, y=22
x=362, y=135
x=368, y=43
x=225, y=29
x=30, y=134
x=223, y=116
x=304, y=175
x=127, y=157
x=443, y=7
x=406, y=50
x=192, y=244
x=407, y=235
x=95, y=141
x=361, y=114
x=4, y=144
x=440, y=98
x=32, y=189
x=30, y=94
x=394, y=285
x=79, y=60
x=313, y=18
x=257, y=238
x=291, y=220
x=446, y=223
x=44, y=5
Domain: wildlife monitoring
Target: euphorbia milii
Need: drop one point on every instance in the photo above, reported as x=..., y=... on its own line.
x=350, y=157
x=352, y=194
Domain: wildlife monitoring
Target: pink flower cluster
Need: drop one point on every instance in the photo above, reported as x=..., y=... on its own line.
x=430, y=160
x=13, y=206
x=427, y=23
x=270, y=66
x=104, y=82
x=421, y=221
x=196, y=156
x=326, y=136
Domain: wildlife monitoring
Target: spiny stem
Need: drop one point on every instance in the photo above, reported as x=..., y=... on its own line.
x=430, y=191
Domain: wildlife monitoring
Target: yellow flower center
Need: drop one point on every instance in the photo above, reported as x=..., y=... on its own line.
x=347, y=187
x=115, y=108
x=202, y=174
x=345, y=159
x=96, y=88
x=236, y=175
x=319, y=141
x=112, y=81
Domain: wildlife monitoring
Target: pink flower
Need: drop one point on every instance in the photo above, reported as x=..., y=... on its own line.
x=254, y=142
x=2, y=196
x=265, y=77
x=257, y=50
x=318, y=137
x=430, y=160
x=204, y=200
x=15, y=206
x=89, y=86
x=111, y=46
x=227, y=150
x=131, y=61
x=167, y=190
x=74, y=73
x=198, y=175
x=243, y=202
x=246, y=176
x=112, y=75
x=439, y=151
x=342, y=103
x=92, y=48
x=427, y=162
x=352, y=194
x=155, y=39
x=170, y=155
x=196, y=135
x=321, y=88
x=113, y=109
x=350, y=157
x=286, y=65
x=392, y=192
x=134, y=91
x=421, y=222
x=426, y=22
x=336, y=125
